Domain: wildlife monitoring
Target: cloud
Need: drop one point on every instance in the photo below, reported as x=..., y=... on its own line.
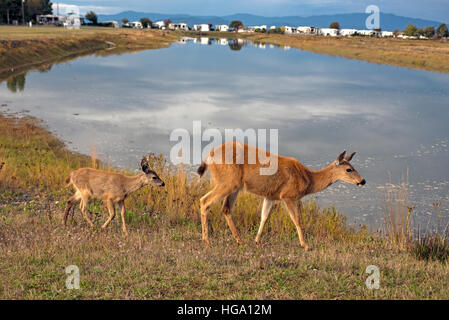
x=65, y=7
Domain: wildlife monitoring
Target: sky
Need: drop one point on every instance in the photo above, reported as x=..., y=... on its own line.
x=425, y=9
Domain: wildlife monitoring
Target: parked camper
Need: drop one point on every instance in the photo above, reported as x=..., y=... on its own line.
x=178, y=26
x=348, y=32
x=222, y=28
x=306, y=30
x=368, y=33
x=136, y=25
x=289, y=30
x=159, y=25
x=330, y=32
x=201, y=27
x=386, y=34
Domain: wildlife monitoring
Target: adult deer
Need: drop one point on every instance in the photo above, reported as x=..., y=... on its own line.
x=110, y=187
x=290, y=182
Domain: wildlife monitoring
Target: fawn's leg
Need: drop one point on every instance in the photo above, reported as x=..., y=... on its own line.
x=73, y=199
x=121, y=205
x=111, y=209
x=83, y=207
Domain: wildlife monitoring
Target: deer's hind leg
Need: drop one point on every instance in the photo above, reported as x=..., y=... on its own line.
x=266, y=212
x=70, y=203
x=216, y=194
x=228, y=205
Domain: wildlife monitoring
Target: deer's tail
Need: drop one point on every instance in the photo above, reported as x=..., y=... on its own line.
x=202, y=169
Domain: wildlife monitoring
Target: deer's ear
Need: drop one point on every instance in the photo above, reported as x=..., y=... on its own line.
x=341, y=157
x=144, y=165
x=349, y=157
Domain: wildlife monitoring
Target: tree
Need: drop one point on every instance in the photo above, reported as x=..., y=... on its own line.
x=420, y=32
x=125, y=21
x=146, y=22
x=429, y=32
x=92, y=16
x=442, y=31
x=411, y=31
x=334, y=25
x=12, y=9
x=236, y=25
x=35, y=7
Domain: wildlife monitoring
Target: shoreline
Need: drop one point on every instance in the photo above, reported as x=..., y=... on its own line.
x=22, y=48
x=428, y=55
x=163, y=257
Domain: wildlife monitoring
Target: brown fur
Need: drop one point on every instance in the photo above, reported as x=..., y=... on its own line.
x=290, y=183
x=110, y=187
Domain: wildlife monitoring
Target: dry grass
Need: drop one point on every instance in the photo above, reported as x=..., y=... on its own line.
x=163, y=258
x=22, y=47
x=431, y=55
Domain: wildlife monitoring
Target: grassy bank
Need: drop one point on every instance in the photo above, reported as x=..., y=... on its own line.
x=22, y=47
x=431, y=55
x=163, y=257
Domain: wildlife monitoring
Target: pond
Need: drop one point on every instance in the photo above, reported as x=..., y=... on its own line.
x=396, y=119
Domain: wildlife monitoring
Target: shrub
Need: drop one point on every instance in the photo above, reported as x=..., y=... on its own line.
x=431, y=247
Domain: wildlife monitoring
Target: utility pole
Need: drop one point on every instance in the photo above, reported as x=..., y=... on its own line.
x=23, y=13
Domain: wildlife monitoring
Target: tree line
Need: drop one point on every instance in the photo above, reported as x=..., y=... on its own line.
x=11, y=10
x=428, y=32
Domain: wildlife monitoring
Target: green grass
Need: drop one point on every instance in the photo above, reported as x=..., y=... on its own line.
x=163, y=257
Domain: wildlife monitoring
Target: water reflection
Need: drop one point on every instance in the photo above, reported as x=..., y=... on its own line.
x=128, y=105
x=234, y=44
x=16, y=83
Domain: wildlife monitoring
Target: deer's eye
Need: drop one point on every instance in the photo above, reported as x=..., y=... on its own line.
x=154, y=178
x=349, y=170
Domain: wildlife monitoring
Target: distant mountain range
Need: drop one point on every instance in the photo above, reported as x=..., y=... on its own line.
x=388, y=21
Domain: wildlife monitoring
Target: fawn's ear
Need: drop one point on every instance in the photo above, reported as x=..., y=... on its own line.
x=340, y=158
x=349, y=157
x=144, y=165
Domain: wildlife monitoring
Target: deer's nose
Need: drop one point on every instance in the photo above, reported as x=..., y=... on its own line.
x=362, y=183
x=163, y=184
